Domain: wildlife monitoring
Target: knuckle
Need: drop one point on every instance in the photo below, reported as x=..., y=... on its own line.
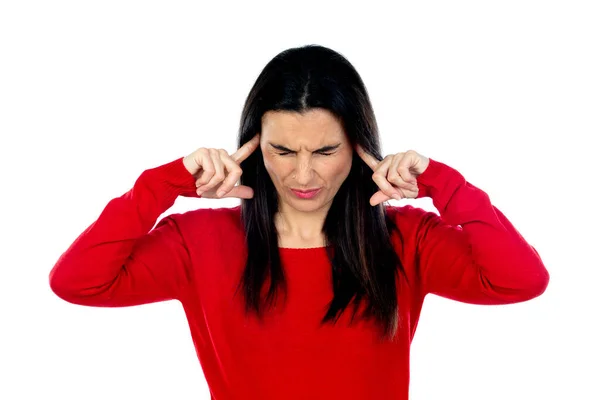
x=235, y=175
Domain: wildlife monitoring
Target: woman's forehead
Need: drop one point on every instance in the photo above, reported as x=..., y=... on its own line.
x=313, y=127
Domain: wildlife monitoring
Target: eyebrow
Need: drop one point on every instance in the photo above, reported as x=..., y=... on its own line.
x=322, y=149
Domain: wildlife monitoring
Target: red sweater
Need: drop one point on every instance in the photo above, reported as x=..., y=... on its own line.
x=472, y=253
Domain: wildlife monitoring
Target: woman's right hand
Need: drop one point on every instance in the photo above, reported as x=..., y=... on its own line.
x=217, y=172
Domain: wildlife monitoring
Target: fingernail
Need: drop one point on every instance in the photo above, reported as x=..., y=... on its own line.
x=220, y=193
x=397, y=196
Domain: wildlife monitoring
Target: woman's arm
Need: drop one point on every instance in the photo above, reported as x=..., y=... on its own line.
x=119, y=260
x=471, y=252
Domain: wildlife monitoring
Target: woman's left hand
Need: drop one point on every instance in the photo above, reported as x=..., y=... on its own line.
x=396, y=175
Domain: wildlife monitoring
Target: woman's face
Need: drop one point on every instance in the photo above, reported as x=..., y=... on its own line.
x=305, y=152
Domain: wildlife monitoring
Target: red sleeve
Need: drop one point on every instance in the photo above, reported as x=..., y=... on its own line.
x=119, y=260
x=471, y=252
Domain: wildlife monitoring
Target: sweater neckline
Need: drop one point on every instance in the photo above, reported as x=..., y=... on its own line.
x=303, y=248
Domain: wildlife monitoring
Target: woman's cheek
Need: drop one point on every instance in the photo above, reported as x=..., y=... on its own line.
x=275, y=168
x=334, y=166
x=268, y=161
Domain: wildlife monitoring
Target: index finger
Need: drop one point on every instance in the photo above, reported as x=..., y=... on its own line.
x=371, y=161
x=248, y=148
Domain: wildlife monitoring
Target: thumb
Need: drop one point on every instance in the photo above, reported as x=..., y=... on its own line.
x=241, y=192
x=378, y=197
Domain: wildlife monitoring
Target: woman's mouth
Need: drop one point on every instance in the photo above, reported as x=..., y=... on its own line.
x=305, y=194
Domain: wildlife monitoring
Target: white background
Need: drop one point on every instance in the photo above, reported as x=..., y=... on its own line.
x=93, y=93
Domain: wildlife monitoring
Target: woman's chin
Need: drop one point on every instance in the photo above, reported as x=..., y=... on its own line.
x=306, y=205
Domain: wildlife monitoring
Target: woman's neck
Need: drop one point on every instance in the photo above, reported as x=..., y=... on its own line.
x=300, y=229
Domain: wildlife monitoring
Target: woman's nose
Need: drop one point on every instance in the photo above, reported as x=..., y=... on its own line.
x=304, y=173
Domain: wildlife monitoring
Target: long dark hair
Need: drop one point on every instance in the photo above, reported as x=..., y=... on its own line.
x=364, y=263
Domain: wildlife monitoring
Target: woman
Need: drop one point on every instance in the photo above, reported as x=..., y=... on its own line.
x=272, y=288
